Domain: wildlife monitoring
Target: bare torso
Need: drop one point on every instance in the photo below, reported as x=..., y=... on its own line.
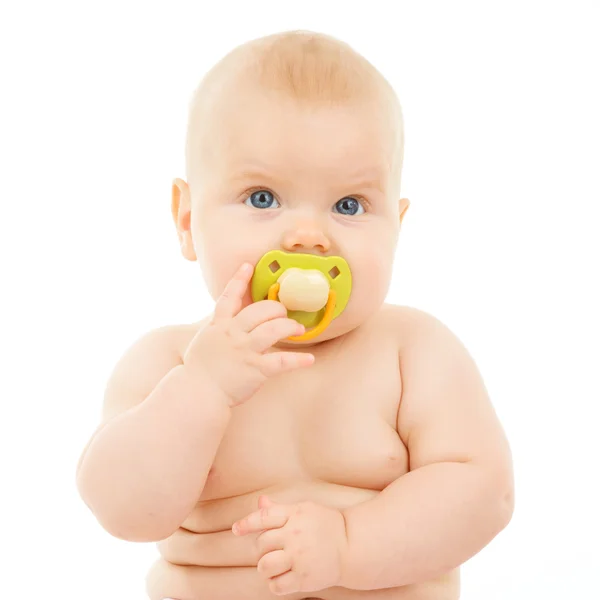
x=326, y=434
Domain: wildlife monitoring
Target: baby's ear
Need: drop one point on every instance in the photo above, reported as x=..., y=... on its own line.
x=403, y=204
x=181, y=211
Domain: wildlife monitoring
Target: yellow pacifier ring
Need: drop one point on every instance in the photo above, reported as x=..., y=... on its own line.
x=320, y=328
x=314, y=289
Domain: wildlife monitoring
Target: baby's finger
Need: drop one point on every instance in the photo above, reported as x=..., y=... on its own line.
x=270, y=517
x=230, y=301
x=259, y=312
x=267, y=334
x=274, y=563
x=278, y=362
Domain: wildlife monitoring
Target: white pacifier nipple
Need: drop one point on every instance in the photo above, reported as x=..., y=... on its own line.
x=303, y=289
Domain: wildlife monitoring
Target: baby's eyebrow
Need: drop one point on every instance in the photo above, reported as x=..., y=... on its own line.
x=376, y=184
x=251, y=173
x=364, y=179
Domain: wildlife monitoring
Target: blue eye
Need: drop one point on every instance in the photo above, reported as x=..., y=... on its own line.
x=349, y=206
x=261, y=199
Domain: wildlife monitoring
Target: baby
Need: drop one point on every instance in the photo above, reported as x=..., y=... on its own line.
x=317, y=443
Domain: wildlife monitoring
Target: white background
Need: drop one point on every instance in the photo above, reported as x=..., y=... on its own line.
x=501, y=243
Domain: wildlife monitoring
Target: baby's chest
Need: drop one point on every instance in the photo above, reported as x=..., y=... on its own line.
x=335, y=424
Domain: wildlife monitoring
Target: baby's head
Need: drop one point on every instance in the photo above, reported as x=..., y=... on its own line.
x=295, y=142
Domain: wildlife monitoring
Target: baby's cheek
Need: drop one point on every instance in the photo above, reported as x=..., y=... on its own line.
x=374, y=270
x=216, y=268
x=370, y=285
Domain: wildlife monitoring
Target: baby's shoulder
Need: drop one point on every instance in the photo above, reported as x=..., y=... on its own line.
x=167, y=340
x=179, y=336
x=143, y=364
x=405, y=323
x=173, y=339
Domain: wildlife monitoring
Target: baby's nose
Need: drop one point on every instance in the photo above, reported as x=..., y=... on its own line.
x=302, y=239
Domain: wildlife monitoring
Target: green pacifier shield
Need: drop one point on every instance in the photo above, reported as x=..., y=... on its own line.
x=271, y=266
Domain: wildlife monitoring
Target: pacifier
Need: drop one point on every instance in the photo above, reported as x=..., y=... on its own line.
x=314, y=289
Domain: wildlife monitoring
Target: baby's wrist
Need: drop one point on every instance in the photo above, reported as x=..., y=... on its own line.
x=203, y=388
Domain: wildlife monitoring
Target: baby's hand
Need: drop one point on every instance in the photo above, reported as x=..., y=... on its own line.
x=232, y=349
x=302, y=547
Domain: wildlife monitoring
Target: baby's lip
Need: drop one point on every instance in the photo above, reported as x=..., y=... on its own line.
x=313, y=253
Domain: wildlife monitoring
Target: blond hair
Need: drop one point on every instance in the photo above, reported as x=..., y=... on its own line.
x=310, y=67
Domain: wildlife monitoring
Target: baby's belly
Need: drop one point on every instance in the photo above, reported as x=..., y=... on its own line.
x=204, y=560
x=166, y=580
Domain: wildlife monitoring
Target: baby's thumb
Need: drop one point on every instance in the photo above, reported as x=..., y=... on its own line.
x=264, y=502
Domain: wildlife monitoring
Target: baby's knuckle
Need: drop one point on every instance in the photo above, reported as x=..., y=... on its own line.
x=266, y=329
x=236, y=339
x=277, y=308
x=227, y=293
x=276, y=587
x=262, y=368
x=221, y=328
x=254, y=362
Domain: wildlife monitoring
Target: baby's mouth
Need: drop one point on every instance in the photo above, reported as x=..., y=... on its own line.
x=314, y=289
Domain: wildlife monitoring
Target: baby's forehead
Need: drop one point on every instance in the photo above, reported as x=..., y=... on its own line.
x=325, y=146
x=250, y=93
x=257, y=117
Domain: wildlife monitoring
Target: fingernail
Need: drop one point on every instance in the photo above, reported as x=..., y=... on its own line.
x=235, y=529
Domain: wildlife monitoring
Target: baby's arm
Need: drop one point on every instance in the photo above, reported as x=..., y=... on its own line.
x=459, y=492
x=145, y=467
